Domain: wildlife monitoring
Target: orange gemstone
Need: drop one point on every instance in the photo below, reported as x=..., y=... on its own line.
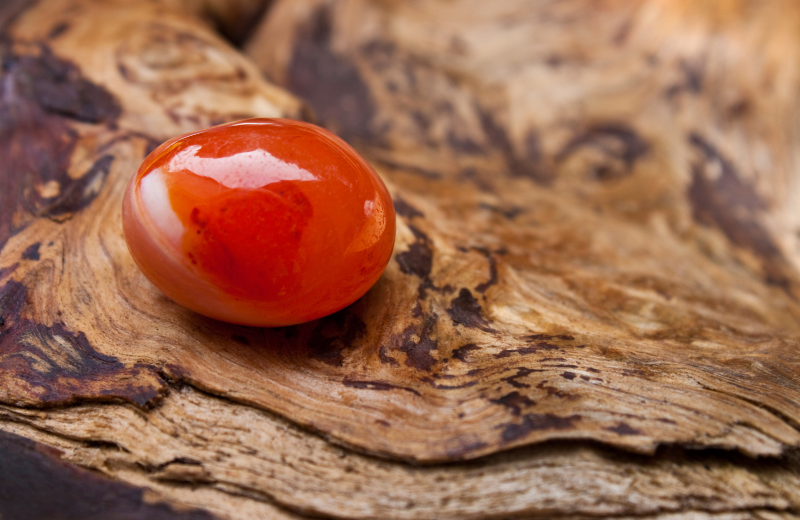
x=263, y=222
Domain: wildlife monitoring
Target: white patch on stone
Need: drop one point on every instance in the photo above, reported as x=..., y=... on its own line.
x=155, y=197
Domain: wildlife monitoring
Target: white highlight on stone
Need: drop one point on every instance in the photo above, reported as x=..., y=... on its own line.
x=155, y=198
x=252, y=169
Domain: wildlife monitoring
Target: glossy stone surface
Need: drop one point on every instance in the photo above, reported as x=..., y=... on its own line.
x=263, y=222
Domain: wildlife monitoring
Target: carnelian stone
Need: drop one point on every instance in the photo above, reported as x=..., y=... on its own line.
x=263, y=222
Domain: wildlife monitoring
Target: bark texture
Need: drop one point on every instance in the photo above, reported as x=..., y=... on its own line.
x=593, y=308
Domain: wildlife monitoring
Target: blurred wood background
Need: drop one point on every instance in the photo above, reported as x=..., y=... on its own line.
x=593, y=308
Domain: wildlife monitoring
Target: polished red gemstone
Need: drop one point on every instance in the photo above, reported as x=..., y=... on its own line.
x=263, y=222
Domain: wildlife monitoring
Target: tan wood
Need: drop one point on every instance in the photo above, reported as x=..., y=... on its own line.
x=592, y=309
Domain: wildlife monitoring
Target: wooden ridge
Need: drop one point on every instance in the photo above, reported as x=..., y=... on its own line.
x=592, y=308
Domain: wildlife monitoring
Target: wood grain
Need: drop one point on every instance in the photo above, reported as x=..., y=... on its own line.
x=194, y=440
x=592, y=309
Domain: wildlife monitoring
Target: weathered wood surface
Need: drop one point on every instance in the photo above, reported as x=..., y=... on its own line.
x=593, y=305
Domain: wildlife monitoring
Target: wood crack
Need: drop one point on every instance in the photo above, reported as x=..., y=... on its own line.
x=589, y=263
x=195, y=457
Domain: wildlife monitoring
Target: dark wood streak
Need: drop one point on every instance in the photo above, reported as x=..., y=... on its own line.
x=617, y=141
x=404, y=209
x=534, y=421
x=57, y=30
x=529, y=164
x=509, y=213
x=41, y=96
x=50, y=365
x=332, y=334
x=514, y=401
x=533, y=349
x=693, y=79
x=58, y=87
x=376, y=385
x=493, y=276
x=8, y=271
x=410, y=168
x=418, y=260
x=418, y=352
x=521, y=372
x=31, y=252
x=36, y=484
x=79, y=193
x=345, y=105
x=461, y=352
x=733, y=206
x=384, y=356
x=624, y=429
x=465, y=310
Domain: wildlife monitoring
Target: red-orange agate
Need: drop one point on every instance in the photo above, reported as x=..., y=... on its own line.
x=263, y=222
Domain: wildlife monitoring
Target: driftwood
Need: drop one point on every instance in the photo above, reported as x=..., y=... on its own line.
x=593, y=306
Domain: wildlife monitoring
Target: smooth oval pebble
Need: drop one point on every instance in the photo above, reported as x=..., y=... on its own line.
x=263, y=222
